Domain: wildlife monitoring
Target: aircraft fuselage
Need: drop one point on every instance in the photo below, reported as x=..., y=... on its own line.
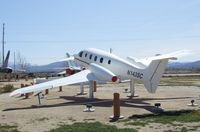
x=120, y=67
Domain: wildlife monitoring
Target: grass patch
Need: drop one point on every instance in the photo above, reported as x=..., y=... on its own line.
x=7, y=88
x=178, y=84
x=137, y=123
x=180, y=81
x=91, y=127
x=168, y=131
x=170, y=117
x=8, y=128
x=184, y=129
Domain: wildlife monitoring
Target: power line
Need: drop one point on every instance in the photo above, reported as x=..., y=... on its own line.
x=102, y=40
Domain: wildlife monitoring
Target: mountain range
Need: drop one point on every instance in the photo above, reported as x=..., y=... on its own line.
x=184, y=65
x=58, y=66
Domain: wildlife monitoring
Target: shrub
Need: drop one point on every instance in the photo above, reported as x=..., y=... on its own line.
x=7, y=88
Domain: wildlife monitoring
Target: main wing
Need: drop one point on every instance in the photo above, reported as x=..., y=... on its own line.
x=94, y=72
x=82, y=76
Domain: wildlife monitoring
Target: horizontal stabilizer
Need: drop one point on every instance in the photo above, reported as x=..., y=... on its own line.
x=67, y=59
x=172, y=56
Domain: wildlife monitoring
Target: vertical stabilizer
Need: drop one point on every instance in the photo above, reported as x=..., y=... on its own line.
x=5, y=63
x=154, y=73
x=156, y=67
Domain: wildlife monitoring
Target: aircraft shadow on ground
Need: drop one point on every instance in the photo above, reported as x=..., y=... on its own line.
x=124, y=102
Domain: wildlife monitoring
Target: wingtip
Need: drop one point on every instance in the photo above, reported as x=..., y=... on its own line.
x=174, y=58
x=183, y=53
x=12, y=94
x=67, y=59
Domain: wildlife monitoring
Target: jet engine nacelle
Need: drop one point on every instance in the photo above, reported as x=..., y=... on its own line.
x=6, y=70
x=9, y=70
x=102, y=73
x=71, y=71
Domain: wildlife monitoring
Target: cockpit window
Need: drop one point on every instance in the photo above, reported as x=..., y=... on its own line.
x=90, y=56
x=85, y=54
x=109, y=61
x=81, y=54
x=95, y=58
x=101, y=60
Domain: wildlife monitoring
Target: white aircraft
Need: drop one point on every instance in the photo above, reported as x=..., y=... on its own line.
x=57, y=68
x=105, y=66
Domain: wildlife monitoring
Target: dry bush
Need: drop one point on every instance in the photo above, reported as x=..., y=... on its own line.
x=7, y=88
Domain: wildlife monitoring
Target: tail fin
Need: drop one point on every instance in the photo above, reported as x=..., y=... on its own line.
x=154, y=73
x=156, y=67
x=5, y=64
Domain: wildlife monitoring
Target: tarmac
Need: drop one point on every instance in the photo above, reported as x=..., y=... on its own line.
x=67, y=107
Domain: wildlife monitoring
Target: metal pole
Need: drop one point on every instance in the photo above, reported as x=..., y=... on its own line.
x=82, y=88
x=132, y=89
x=39, y=99
x=91, y=88
x=3, y=45
x=14, y=62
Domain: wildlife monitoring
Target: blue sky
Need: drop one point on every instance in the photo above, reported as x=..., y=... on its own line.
x=44, y=30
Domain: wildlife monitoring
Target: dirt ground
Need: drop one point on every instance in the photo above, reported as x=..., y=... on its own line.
x=67, y=107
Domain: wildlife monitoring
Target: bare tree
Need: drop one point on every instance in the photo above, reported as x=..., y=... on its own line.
x=22, y=62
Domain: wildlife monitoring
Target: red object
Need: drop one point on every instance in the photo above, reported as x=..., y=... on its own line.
x=60, y=89
x=114, y=78
x=95, y=86
x=47, y=91
x=116, y=105
x=69, y=71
